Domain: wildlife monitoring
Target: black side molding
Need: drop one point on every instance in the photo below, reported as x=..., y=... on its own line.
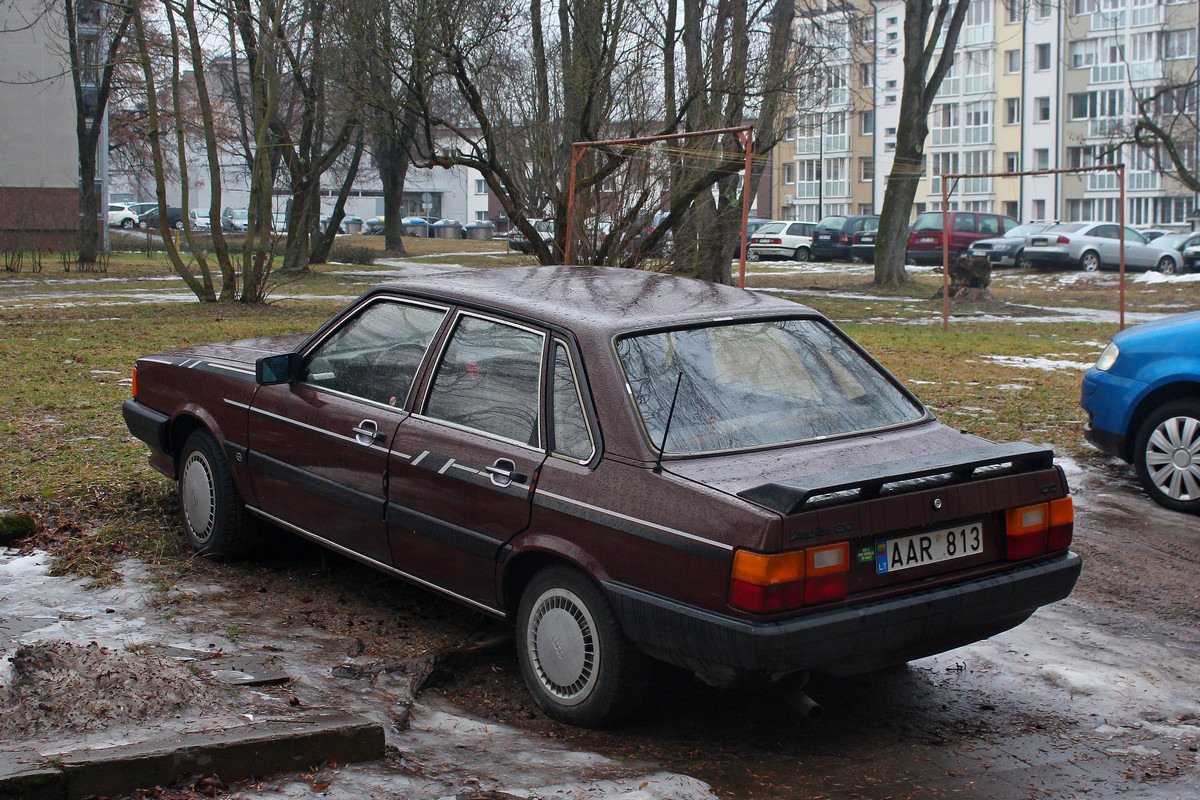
x=147, y=425
x=790, y=496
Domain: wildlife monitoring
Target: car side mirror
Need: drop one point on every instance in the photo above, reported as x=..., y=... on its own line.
x=270, y=370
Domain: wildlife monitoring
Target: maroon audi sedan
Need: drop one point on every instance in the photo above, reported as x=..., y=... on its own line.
x=626, y=465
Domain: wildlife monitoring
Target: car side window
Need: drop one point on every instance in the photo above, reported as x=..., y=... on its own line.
x=989, y=225
x=489, y=379
x=964, y=222
x=796, y=229
x=1133, y=237
x=570, y=435
x=376, y=353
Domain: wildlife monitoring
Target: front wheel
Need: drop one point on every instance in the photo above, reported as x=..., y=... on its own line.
x=1167, y=456
x=1166, y=265
x=179, y=225
x=1090, y=261
x=127, y=224
x=214, y=516
x=801, y=254
x=574, y=657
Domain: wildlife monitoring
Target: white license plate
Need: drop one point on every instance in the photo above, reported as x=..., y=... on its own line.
x=1039, y=242
x=926, y=239
x=906, y=552
x=867, y=239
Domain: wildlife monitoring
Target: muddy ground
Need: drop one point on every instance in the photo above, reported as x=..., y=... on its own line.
x=1094, y=697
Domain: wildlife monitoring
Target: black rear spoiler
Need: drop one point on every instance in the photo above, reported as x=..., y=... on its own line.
x=790, y=496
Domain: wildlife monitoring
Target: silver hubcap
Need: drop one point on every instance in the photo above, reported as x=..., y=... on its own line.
x=1091, y=263
x=199, y=497
x=561, y=641
x=1173, y=458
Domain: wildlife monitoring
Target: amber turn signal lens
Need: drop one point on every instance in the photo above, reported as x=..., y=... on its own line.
x=134, y=383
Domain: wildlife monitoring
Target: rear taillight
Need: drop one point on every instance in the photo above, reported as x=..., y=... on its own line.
x=844, y=239
x=1035, y=530
x=768, y=241
x=134, y=383
x=770, y=583
x=1063, y=239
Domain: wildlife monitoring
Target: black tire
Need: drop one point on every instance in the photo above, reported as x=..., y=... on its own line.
x=179, y=225
x=127, y=224
x=214, y=516
x=801, y=254
x=1166, y=265
x=1021, y=262
x=1090, y=261
x=575, y=659
x=1167, y=455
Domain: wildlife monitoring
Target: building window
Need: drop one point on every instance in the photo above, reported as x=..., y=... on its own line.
x=867, y=122
x=1012, y=208
x=1042, y=52
x=1012, y=111
x=893, y=21
x=1041, y=158
x=866, y=208
x=481, y=187
x=1012, y=162
x=890, y=85
x=481, y=216
x=977, y=122
x=1041, y=107
x=1043, y=8
x=1012, y=61
x=892, y=36
x=1179, y=44
x=789, y=174
x=1039, y=209
x=1012, y=10
x=866, y=169
x=866, y=75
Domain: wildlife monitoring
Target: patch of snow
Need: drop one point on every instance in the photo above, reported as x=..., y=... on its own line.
x=1047, y=364
x=1158, y=277
x=1011, y=387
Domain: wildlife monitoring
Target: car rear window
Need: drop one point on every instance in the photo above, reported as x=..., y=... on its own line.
x=831, y=224
x=757, y=384
x=770, y=227
x=1067, y=227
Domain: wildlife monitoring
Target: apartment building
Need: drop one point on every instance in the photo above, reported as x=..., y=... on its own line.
x=1035, y=85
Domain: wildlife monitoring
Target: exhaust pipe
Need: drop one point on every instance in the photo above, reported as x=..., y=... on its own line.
x=795, y=696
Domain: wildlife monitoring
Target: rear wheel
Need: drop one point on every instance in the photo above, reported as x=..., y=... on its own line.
x=179, y=225
x=575, y=659
x=214, y=516
x=1022, y=262
x=1090, y=261
x=1167, y=455
x=1166, y=265
x=801, y=254
x=127, y=224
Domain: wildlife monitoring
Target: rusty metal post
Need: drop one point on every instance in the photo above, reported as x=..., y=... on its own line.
x=945, y=253
x=576, y=154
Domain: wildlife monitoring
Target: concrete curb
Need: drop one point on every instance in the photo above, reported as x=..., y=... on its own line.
x=254, y=749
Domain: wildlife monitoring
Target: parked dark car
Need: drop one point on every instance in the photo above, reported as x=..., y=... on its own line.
x=1142, y=400
x=174, y=219
x=966, y=228
x=834, y=235
x=625, y=464
x=1008, y=250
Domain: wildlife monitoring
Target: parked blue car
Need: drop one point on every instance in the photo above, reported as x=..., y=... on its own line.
x=1142, y=399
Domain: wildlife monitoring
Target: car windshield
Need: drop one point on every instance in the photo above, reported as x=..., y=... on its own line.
x=1027, y=229
x=770, y=227
x=757, y=384
x=928, y=222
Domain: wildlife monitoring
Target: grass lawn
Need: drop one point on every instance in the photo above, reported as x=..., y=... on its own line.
x=1007, y=370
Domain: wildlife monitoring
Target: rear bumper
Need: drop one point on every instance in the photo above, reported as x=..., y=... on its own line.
x=1049, y=258
x=851, y=639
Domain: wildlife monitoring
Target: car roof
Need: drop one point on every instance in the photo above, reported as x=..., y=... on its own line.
x=594, y=300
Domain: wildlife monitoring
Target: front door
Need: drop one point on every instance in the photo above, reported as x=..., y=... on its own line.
x=319, y=446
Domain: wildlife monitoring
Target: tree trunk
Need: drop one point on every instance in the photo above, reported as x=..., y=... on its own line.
x=323, y=240
x=392, y=160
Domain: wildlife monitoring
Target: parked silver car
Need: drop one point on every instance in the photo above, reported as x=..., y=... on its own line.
x=1008, y=250
x=1092, y=246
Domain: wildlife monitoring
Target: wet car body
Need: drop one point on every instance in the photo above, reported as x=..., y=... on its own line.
x=597, y=509
x=834, y=235
x=782, y=240
x=1142, y=399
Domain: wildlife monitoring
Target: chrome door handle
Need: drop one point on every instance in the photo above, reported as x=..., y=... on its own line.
x=504, y=473
x=367, y=432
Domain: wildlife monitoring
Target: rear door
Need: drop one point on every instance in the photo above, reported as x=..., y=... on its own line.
x=318, y=446
x=463, y=468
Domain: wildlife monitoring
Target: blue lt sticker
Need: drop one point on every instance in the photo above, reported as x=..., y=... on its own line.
x=881, y=557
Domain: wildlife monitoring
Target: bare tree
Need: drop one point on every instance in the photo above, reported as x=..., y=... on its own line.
x=931, y=29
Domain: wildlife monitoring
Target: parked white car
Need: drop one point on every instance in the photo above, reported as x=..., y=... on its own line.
x=198, y=217
x=1093, y=246
x=122, y=216
x=782, y=239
